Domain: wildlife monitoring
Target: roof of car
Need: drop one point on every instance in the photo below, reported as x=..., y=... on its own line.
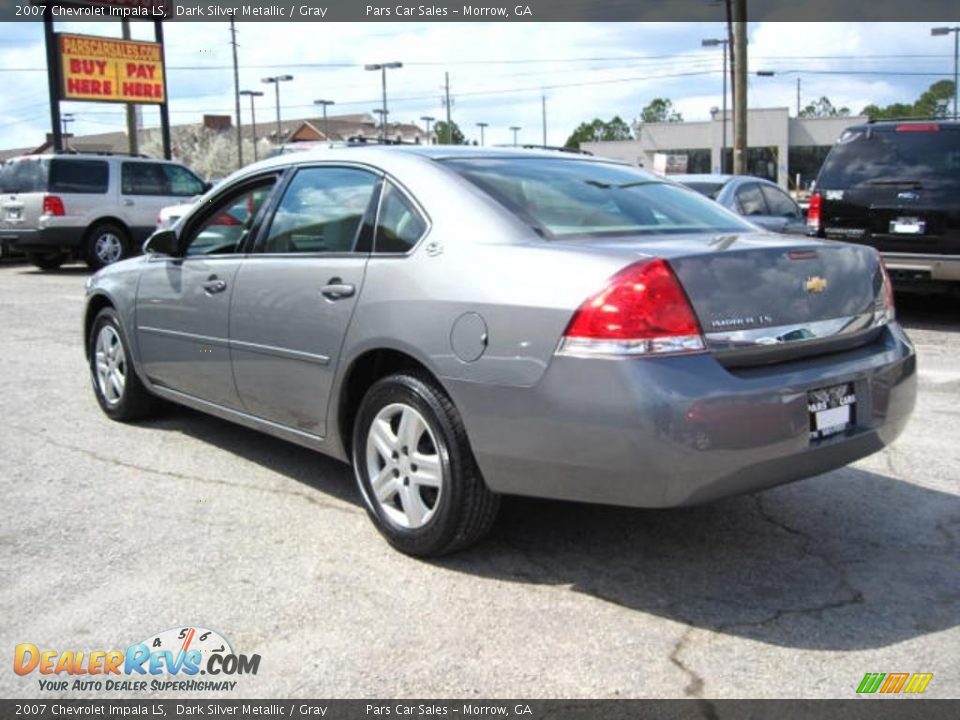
x=702, y=177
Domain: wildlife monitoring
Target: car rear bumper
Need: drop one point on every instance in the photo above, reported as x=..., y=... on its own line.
x=680, y=430
x=910, y=266
x=42, y=239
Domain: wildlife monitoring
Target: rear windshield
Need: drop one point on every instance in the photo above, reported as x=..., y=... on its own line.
x=871, y=156
x=710, y=189
x=564, y=198
x=23, y=176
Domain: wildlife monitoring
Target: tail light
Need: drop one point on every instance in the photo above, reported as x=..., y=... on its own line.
x=813, y=212
x=641, y=311
x=53, y=205
x=917, y=127
x=885, y=310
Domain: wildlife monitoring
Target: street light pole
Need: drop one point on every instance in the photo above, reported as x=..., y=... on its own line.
x=723, y=152
x=324, y=103
x=516, y=129
x=66, y=119
x=276, y=80
x=383, y=67
x=253, y=117
x=427, y=119
x=956, y=58
x=482, y=125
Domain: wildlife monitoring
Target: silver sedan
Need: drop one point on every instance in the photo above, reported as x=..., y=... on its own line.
x=461, y=323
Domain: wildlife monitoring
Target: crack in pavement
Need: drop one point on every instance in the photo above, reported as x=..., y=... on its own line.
x=172, y=474
x=694, y=687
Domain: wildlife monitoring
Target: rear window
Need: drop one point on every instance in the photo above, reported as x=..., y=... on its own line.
x=23, y=176
x=78, y=176
x=871, y=156
x=566, y=198
x=709, y=189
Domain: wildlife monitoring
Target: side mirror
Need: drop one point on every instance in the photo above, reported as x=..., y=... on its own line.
x=162, y=242
x=207, y=187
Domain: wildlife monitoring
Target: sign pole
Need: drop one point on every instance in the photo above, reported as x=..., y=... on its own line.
x=53, y=78
x=133, y=146
x=164, y=107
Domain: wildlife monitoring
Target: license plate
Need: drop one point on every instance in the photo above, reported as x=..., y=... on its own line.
x=13, y=213
x=908, y=226
x=832, y=410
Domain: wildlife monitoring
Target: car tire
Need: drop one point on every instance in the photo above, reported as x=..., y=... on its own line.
x=105, y=244
x=429, y=509
x=121, y=394
x=47, y=261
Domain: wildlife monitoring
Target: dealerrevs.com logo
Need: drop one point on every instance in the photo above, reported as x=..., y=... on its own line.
x=172, y=660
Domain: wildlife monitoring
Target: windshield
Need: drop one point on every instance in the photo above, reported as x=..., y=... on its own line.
x=564, y=198
x=23, y=175
x=878, y=157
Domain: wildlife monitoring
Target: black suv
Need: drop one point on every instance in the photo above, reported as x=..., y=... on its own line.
x=896, y=186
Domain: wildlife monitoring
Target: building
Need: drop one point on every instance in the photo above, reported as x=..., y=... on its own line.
x=340, y=128
x=781, y=148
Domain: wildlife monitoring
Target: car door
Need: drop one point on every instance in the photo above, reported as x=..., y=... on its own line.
x=296, y=293
x=784, y=210
x=183, y=302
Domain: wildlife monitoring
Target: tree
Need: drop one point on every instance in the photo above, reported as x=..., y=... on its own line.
x=660, y=110
x=823, y=108
x=456, y=137
x=934, y=103
x=599, y=131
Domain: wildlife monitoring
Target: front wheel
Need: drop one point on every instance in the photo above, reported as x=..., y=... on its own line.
x=115, y=382
x=415, y=469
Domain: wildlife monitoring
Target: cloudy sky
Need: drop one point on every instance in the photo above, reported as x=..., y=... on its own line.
x=498, y=72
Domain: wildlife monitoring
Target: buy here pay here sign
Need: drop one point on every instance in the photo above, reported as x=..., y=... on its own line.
x=108, y=70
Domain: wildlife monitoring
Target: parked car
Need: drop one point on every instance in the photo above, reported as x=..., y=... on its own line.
x=761, y=201
x=895, y=186
x=98, y=208
x=461, y=323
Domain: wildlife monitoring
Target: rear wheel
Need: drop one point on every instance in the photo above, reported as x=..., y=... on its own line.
x=47, y=261
x=115, y=382
x=416, y=471
x=106, y=243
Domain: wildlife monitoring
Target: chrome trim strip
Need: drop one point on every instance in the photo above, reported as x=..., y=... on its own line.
x=163, y=332
x=239, y=345
x=795, y=333
x=280, y=352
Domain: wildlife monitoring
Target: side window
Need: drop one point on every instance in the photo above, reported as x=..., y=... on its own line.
x=321, y=211
x=399, y=225
x=143, y=178
x=750, y=200
x=182, y=182
x=78, y=176
x=228, y=222
x=779, y=202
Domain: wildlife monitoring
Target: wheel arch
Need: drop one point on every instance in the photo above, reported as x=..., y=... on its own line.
x=363, y=371
x=95, y=304
x=105, y=219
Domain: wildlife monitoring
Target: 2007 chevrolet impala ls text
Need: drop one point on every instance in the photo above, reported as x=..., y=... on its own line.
x=462, y=323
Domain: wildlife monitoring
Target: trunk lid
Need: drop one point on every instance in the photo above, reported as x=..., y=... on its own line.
x=766, y=298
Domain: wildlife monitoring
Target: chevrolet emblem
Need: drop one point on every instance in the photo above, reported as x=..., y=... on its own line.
x=815, y=284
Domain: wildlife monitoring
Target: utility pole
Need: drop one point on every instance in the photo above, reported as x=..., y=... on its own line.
x=236, y=91
x=543, y=101
x=740, y=88
x=133, y=145
x=446, y=85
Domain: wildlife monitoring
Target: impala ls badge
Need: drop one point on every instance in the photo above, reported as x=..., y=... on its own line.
x=815, y=284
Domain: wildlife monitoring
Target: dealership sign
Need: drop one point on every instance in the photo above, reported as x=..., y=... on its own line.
x=108, y=70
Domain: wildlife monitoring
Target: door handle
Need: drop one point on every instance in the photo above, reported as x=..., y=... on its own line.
x=337, y=289
x=214, y=285
x=128, y=202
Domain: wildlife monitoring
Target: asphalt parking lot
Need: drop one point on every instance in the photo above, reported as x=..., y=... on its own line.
x=112, y=533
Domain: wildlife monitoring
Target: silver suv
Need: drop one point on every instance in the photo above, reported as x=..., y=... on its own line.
x=98, y=208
